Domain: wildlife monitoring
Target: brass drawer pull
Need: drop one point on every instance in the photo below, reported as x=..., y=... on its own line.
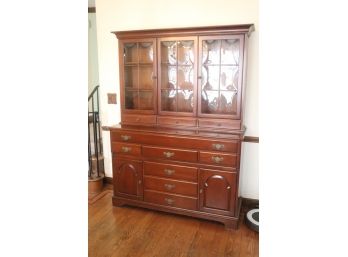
x=169, y=172
x=169, y=186
x=218, y=146
x=169, y=201
x=168, y=154
x=125, y=149
x=217, y=159
x=125, y=137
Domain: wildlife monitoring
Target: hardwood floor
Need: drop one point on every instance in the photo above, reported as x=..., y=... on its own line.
x=135, y=232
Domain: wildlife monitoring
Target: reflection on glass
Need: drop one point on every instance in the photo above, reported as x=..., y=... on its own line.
x=210, y=77
x=185, y=101
x=146, y=81
x=130, y=52
x=131, y=98
x=168, y=52
x=168, y=77
x=211, y=52
x=185, y=77
x=230, y=51
x=168, y=100
x=185, y=52
x=145, y=52
x=229, y=78
x=145, y=100
x=228, y=102
x=131, y=76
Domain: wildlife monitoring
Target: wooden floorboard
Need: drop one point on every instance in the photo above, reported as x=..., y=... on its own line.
x=136, y=232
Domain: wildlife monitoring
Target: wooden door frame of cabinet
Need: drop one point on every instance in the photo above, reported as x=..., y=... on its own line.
x=238, y=116
x=195, y=67
x=122, y=81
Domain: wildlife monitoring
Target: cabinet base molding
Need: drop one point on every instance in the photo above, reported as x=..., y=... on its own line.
x=231, y=223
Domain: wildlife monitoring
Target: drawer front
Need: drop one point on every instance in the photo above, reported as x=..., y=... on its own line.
x=122, y=148
x=217, y=158
x=170, y=186
x=231, y=146
x=139, y=119
x=219, y=123
x=176, y=121
x=171, y=171
x=170, y=153
x=170, y=200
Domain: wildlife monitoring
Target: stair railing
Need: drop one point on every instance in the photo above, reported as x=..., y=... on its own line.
x=93, y=115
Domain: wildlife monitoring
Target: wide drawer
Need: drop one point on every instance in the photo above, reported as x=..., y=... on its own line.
x=170, y=200
x=219, y=123
x=217, y=158
x=171, y=171
x=122, y=148
x=223, y=145
x=170, y=153
x=176, y=121
x=170, y=186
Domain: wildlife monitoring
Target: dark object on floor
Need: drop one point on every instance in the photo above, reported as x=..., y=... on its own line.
x=252, y=219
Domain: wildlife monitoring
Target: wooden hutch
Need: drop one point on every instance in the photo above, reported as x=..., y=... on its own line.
x=178, y=146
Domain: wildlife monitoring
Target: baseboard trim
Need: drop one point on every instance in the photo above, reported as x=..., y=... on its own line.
x=251, y=139
x=108, y=180
x=248, y=203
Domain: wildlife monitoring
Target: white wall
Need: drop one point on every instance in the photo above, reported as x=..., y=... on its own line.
x=117, y=15
x=93, y=76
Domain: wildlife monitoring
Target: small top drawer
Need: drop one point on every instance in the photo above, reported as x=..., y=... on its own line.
x=170, y=153
x=176, y=121
x=217, y=158
x=170, y=171
x=122, y=148
x=138, y=119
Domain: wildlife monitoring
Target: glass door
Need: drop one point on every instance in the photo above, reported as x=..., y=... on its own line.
x=177, y=77
x=220, y=76
x=139, y=76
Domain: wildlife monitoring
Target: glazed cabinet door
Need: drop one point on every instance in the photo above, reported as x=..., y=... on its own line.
x=177, y=76
x=220, y=76
x=138, y=75
x=127, y=178
x=217, y=191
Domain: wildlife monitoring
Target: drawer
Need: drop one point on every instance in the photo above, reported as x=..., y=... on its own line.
x=217, y=158
x=122, y=148
x=170, y=153
x=170, y=186
x=138, y=119
x=170, y=200
x=176, y=121
x=171, y=171
x=219, y=123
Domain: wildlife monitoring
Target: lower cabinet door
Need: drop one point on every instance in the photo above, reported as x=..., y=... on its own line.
x=217, y=191
x=128, y=179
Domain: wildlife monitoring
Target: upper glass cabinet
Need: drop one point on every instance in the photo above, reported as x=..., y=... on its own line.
x=220, y=76
x=139, y=76
x=177, y=78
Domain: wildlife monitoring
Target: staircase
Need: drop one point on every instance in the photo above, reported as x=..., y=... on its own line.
x=95, y=145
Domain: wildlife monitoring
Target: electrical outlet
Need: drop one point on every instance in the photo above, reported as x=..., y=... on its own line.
x=112, y=98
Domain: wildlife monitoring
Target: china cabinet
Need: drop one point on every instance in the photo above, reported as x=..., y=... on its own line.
x=178, y=146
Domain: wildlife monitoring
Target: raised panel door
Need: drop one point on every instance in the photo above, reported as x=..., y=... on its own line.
x=217, y=191
x=128, y=179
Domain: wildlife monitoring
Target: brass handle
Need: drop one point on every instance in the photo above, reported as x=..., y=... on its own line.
x=168, y=154
x=228, y=187
x=200, y=191
x=126, y=149
x=217, y=159
x=125, y=137
x=137, y=119
x=139, y=182
x=169, y=201
x=169, y=186
x=169, y=172
x=218, y=146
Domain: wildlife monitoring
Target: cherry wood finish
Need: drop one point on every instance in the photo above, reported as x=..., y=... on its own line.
x=178, y=146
